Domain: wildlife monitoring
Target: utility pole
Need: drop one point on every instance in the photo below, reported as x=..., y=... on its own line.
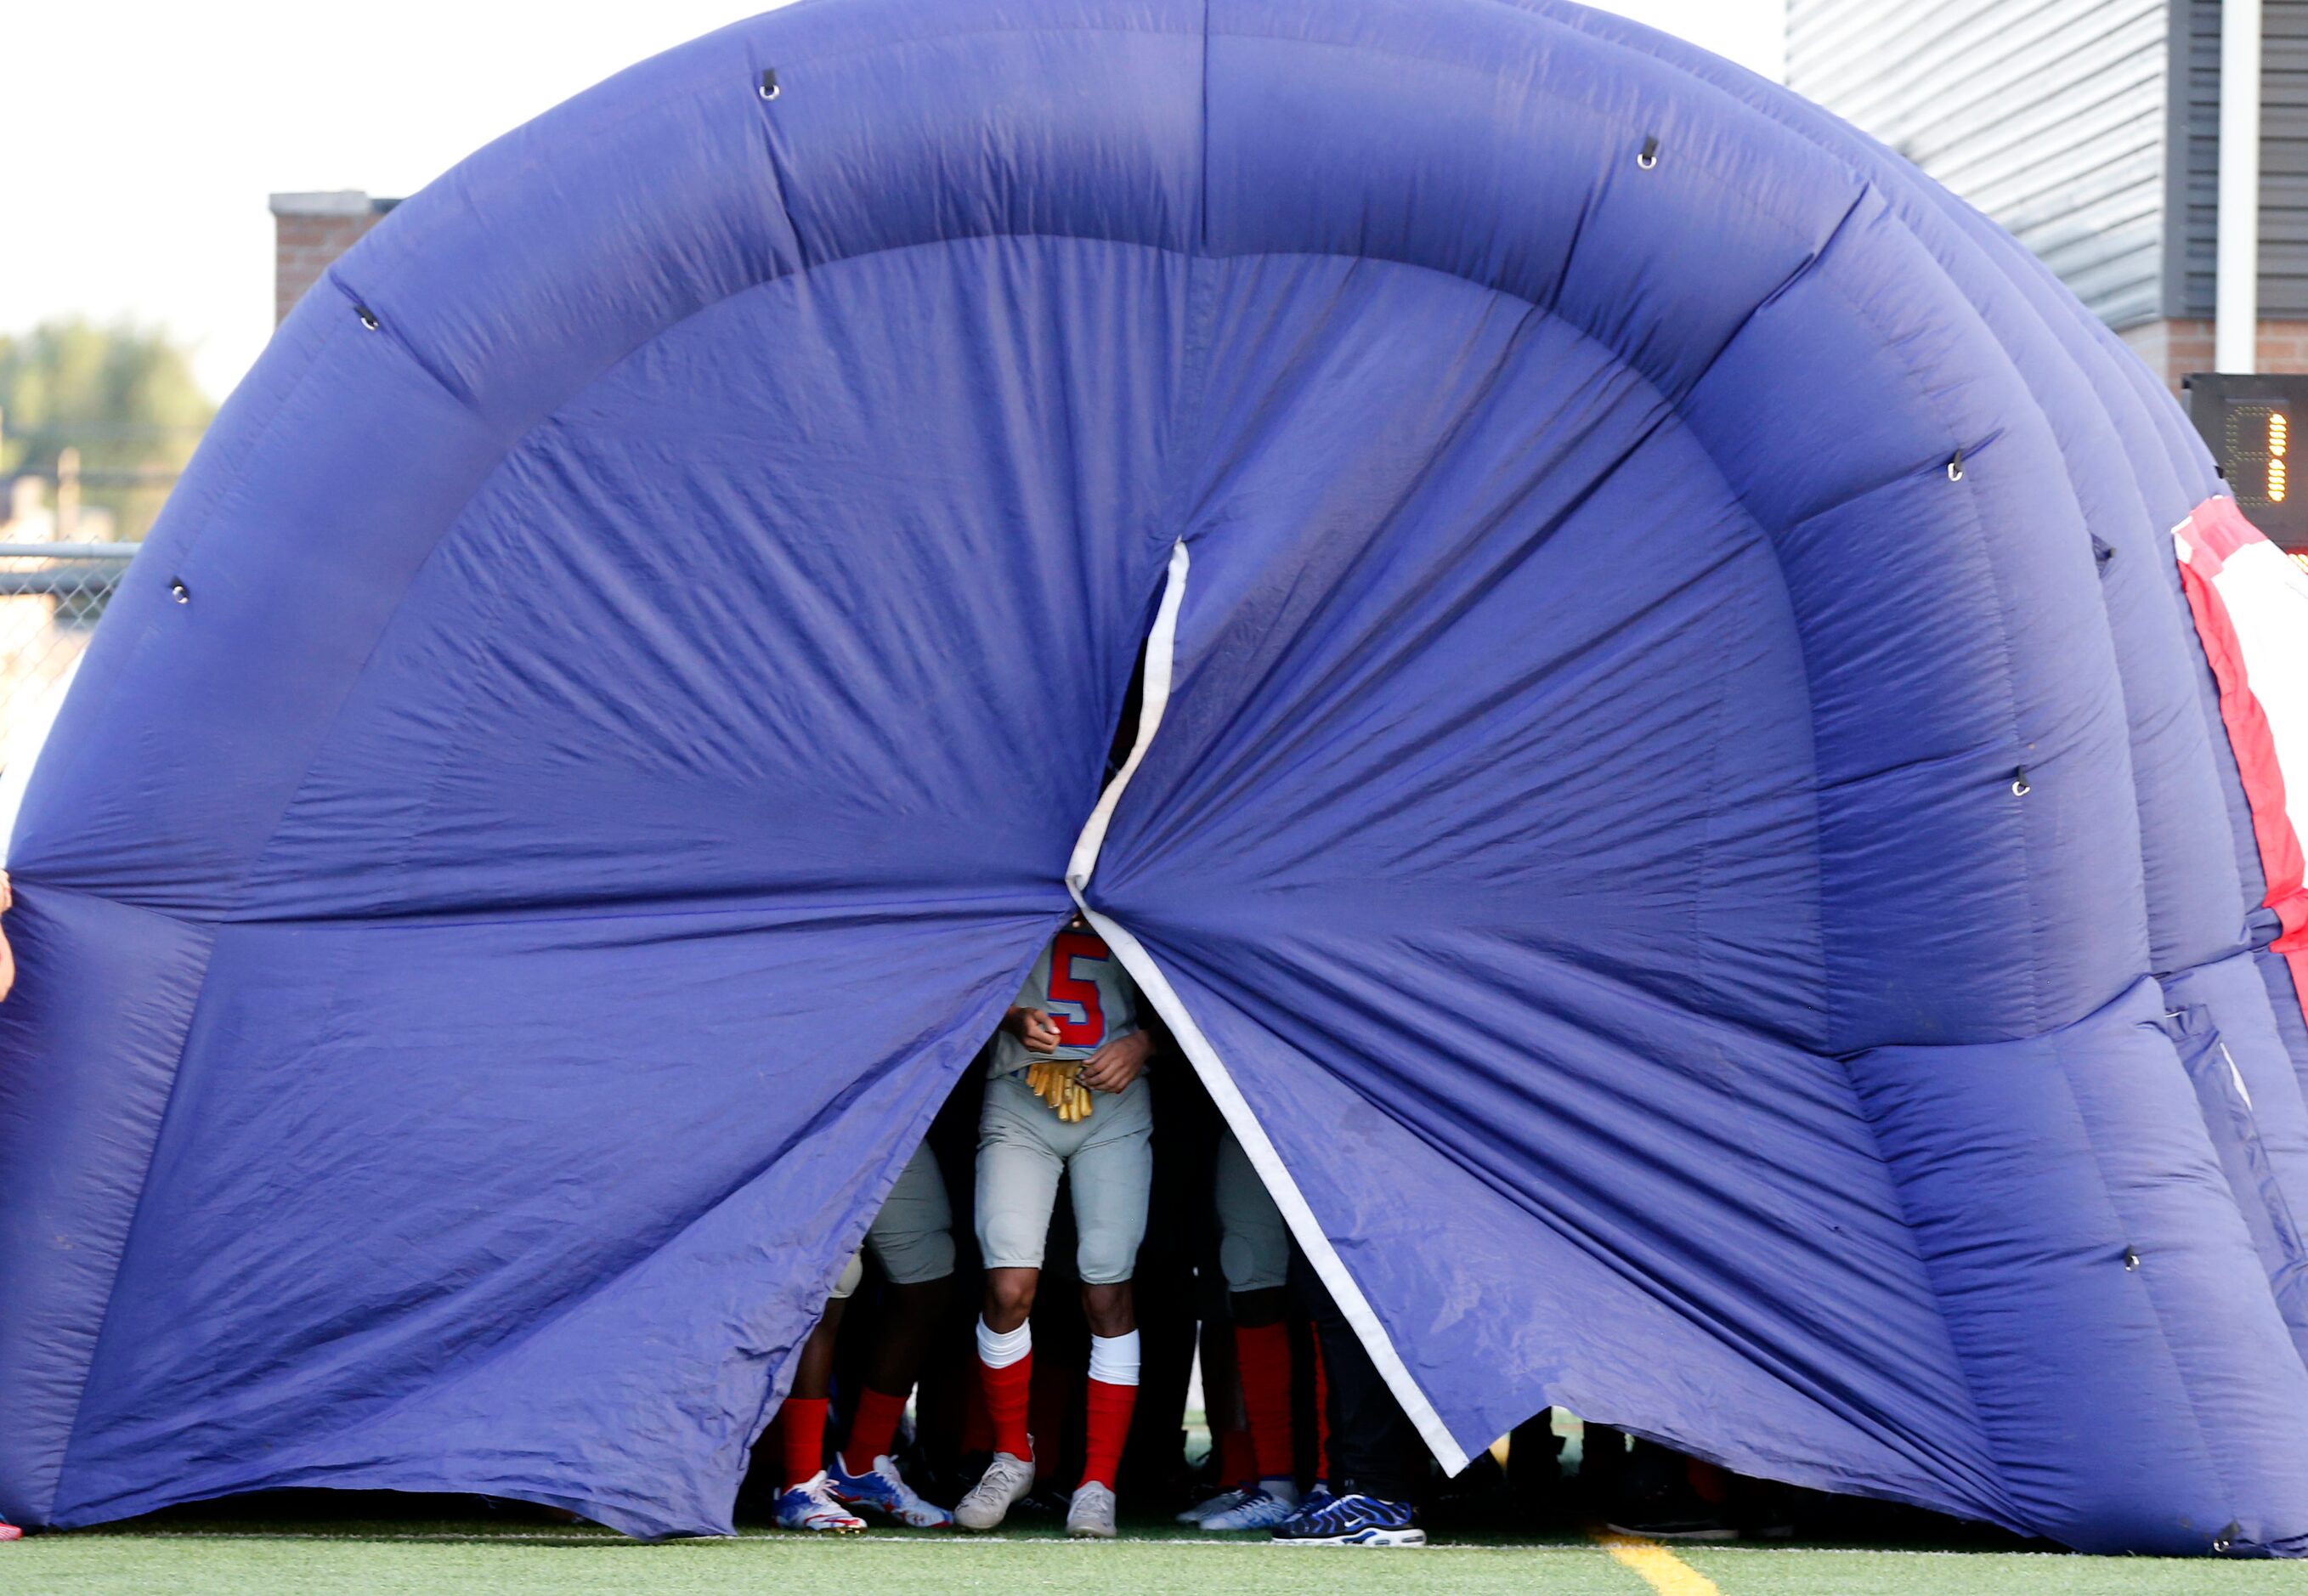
x=2235, y=294
x=67, y=494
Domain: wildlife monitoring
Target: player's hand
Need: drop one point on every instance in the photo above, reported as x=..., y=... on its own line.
x=1114, y=1066
x=1034, y=1028
x=7, y=893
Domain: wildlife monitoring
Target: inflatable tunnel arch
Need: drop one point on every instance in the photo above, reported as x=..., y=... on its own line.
x=1690, y=822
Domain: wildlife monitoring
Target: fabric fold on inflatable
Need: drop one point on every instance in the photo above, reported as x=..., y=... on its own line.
x=119, y=1027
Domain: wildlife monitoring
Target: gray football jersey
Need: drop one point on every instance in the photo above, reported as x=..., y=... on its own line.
x=1081, y=984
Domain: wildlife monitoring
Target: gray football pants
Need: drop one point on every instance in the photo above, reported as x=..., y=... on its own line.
x=1108, y=1160
x=912, y=1236
x=1253, y=1243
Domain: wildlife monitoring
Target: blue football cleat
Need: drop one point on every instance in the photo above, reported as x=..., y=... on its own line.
x=883, y=1489
x=810, y=1506
x=1352, y=1519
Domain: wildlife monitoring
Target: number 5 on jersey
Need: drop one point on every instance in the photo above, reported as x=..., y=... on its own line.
x=1075, y=988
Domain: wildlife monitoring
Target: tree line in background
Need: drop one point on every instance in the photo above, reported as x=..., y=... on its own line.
x=123, y=397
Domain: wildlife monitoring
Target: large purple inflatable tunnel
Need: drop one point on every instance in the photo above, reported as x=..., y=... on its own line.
x=1728, y=868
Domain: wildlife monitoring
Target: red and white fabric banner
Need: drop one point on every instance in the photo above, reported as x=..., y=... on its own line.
x=2250, y=604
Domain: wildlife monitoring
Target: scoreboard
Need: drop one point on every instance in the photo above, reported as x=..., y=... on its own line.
x=2253, y=424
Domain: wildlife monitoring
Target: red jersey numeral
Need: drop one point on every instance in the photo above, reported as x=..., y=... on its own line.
x=1066, y=987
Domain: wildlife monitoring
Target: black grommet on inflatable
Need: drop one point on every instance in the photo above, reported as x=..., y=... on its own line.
x=2130, y=1259
x=1955, y=467
x=367, y=317
x=2020, y=784
x=2226, y=1538
x=180, y=592
x=2102, y=552
x=769, y=82
x=1648, y=156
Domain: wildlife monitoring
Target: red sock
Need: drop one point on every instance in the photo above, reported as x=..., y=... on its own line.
x=1237, y=1461
x=1007, y=1393
x=873, y=1428
x=1321, y=1415
x=1706, y=1482
x=1262, y=1352
x=802, y=1430
x=1109, y=1428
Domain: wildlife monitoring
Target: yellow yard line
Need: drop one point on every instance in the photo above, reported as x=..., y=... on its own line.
x=1661, y=1569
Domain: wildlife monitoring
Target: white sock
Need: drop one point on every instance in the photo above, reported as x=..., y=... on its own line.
x=1001, y=1349
x=1113, y=1359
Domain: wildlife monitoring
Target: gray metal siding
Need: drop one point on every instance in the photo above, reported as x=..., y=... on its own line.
x=2283, y=160
x=2048, y=115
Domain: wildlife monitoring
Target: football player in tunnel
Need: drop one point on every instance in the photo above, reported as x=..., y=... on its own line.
x=1067, y=1096
x=912, y=1240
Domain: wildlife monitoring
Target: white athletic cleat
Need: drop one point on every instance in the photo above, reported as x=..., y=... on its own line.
x=1274, y=1502
x=810, y=1506
x=1090, y=1515
x=1007, y=1479
x=1225, y=1501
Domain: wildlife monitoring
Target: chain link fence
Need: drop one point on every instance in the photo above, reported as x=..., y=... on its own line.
x=51, y=597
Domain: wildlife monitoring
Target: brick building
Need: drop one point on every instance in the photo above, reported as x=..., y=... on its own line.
x=311, y=230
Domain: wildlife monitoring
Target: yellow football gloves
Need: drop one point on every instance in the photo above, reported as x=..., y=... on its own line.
x=1060, y=1086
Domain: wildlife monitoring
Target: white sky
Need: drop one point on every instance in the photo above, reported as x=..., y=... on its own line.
x=143, y=135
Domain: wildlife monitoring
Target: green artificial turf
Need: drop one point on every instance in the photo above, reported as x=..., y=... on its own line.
x=1799, y=1572
x=758, y=1564
x=239, y=1555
